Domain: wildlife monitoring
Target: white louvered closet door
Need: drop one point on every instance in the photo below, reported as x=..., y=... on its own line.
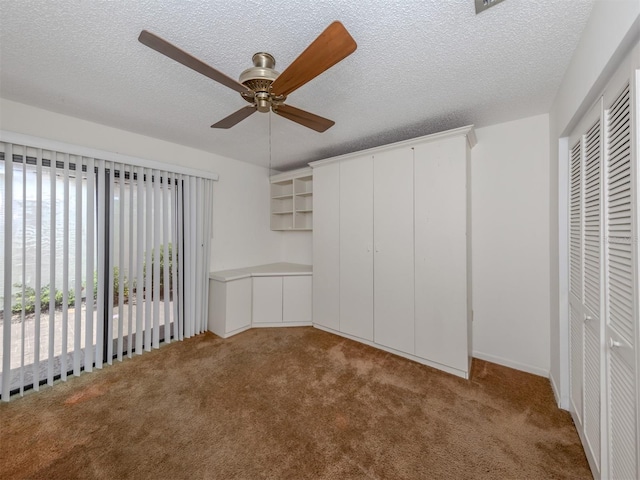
x=604, y=364
x=621, y=280
x=586, y=281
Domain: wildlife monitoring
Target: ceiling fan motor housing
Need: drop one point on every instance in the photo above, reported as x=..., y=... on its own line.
x=259, y=78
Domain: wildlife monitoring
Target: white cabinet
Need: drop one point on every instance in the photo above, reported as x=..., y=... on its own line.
x=326, y=246
x=356, y=247
x=401, y=250
x=273, y=295
x=267, y=299
x=229, y=310
x=282, y=299
x=292, y=200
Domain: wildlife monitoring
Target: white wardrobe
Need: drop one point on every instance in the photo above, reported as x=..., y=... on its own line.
x=392, y=248
x=604, y=326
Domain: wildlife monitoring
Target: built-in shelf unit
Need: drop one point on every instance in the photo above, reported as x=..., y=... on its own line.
x=292, y=200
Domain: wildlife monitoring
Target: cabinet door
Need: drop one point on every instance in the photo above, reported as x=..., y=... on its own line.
x=267, y=300
x=326, y=246
x=441, y=253
x=356, y=247
x=238, y=305
x=296, y=298
x=393, y=260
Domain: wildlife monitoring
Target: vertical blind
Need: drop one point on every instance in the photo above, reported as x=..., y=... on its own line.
x=102, y=260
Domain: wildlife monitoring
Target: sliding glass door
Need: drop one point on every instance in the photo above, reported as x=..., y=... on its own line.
x=91, y=273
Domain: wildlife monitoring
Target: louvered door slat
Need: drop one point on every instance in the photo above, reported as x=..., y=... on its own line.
x=620, y=160
x=616, y=137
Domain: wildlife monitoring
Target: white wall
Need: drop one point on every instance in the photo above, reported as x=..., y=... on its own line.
x=241, y=233
x=297, y=247
x=613, y=27
x=510, y=195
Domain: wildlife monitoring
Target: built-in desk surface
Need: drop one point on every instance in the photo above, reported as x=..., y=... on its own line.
x=268, y=270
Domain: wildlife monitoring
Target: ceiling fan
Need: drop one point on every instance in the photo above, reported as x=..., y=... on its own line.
x=263, y=87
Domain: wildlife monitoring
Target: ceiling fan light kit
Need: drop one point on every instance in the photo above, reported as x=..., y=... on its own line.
x=261, y=85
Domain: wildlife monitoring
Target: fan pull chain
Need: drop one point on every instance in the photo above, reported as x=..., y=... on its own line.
x=269, y=143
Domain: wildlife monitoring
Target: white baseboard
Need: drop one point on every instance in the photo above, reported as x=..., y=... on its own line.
x=438, y=366
x=281, y=324
x=512, y=364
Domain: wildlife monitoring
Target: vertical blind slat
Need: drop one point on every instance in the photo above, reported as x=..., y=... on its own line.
x=140, y=262
x=88, y=341
x=24, y=270
x=207, y=238
x=130, y=276
x=121, y=269
x=38, y=286
x=8, y=231
x=188, y=250
x=194, y=252
x=65, y=272
x=110, y=263
x=174, y=254
x=52, y=268
x=156, y=259
x=199, y=253
x=101, y=263
x=77, y=347
x=147, y=273
x=181, y=253
x=165, y=271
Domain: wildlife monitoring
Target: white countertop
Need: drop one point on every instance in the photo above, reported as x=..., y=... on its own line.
x=269, y=270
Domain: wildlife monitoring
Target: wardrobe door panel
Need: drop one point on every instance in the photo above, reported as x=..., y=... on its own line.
x=356, y=247
x=326, y=246
x=393, y=260
x=441, y=253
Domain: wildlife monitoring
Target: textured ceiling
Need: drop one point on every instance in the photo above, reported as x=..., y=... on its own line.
x=421, y=66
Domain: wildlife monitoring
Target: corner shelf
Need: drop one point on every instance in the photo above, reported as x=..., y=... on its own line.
x=292, y=200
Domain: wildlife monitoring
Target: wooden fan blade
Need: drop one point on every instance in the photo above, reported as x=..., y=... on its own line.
x=329, y=48
x=309, y=120
x=160, y=45
x=235, y=118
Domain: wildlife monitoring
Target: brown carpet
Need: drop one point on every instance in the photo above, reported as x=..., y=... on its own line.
x=285, y=403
